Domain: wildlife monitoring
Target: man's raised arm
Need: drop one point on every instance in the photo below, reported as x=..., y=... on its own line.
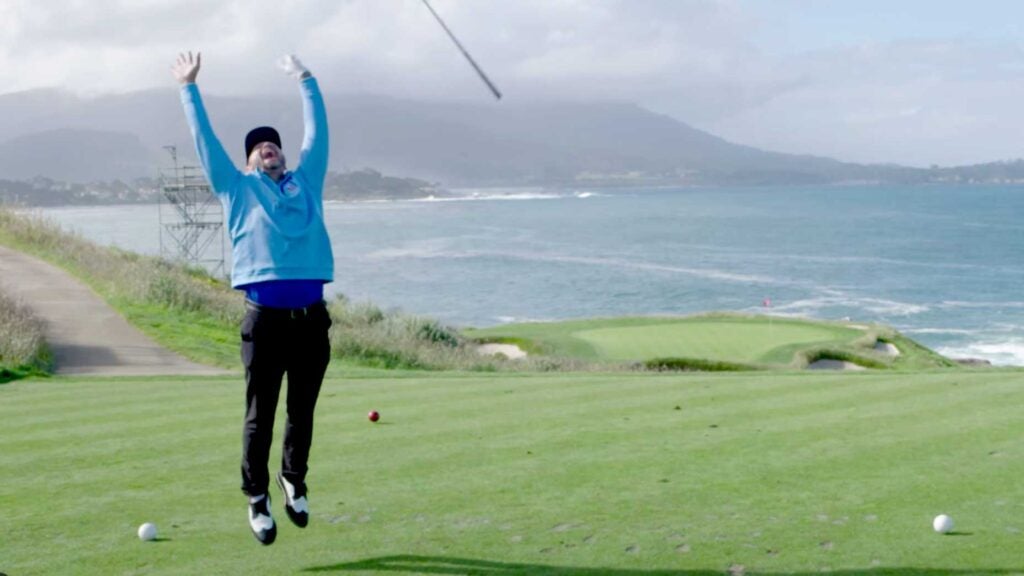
x=315, y=141
x=219, y=168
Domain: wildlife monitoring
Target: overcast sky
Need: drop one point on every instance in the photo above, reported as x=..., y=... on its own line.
x=915, y=82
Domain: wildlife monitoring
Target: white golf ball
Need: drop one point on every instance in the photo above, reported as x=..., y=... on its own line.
x=147, y=532
x=942, y=524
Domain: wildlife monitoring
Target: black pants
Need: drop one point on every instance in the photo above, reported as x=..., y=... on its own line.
x=276, y=342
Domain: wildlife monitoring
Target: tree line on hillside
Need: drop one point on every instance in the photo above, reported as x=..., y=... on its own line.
x=357, y=185
x=369, y=184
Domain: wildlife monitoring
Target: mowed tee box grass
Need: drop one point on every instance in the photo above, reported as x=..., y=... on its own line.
x=633, y=474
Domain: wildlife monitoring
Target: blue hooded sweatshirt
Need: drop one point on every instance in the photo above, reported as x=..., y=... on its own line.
x=276, y=228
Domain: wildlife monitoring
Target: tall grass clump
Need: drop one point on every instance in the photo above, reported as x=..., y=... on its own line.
x=364, y=332
x=810, y=356
x=23, y=348
x=694, y=365
x=390, y=339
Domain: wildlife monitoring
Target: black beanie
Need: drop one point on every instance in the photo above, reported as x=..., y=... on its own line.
x=261, y=134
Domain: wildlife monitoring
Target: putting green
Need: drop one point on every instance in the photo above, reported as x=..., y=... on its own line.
x=715, y=341
x=751, y=341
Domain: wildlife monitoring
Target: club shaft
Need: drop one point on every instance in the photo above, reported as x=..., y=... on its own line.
x=479, y=71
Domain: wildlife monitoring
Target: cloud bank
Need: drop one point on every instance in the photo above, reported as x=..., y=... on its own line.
x=706, y=62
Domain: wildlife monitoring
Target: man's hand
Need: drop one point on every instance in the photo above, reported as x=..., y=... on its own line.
x=187, y=67
x=292, y=67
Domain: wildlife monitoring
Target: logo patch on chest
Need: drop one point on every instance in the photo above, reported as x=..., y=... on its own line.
x=291, y=188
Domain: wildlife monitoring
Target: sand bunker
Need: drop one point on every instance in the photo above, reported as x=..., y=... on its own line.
x=887, y=348
x=510, y=351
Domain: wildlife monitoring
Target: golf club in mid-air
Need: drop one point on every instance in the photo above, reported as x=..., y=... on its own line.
x=494, y=89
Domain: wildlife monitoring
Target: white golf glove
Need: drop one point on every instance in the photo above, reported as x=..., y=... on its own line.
x=292, y=67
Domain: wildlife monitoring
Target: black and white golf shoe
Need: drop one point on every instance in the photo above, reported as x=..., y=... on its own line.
x=261, y=522
x=295, y=503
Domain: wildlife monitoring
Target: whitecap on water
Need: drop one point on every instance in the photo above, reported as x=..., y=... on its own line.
x=1003, y=353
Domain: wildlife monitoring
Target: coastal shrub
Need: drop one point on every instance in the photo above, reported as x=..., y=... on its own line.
x=183, y=289
x=391, y=339
x=811, y=356
x=30, y=230
x=430, y=330
x=364, y=332
x=23, y=347
x=694, y=365
x=354, y=315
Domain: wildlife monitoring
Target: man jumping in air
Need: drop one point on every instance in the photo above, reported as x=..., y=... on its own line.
x=281, y=259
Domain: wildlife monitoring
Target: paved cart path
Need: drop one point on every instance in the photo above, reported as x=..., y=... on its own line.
x=85, y=334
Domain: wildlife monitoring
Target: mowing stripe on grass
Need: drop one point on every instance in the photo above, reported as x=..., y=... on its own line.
x=787, y=473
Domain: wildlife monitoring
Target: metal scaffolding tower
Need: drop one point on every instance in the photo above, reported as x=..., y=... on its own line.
x=191, y=218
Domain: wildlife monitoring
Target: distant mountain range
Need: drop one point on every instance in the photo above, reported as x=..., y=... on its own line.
x=58, y=135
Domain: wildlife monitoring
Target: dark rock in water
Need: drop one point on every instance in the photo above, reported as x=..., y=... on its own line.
x=972, y=361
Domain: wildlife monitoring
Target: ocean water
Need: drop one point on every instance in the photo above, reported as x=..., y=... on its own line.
x=941, y=264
